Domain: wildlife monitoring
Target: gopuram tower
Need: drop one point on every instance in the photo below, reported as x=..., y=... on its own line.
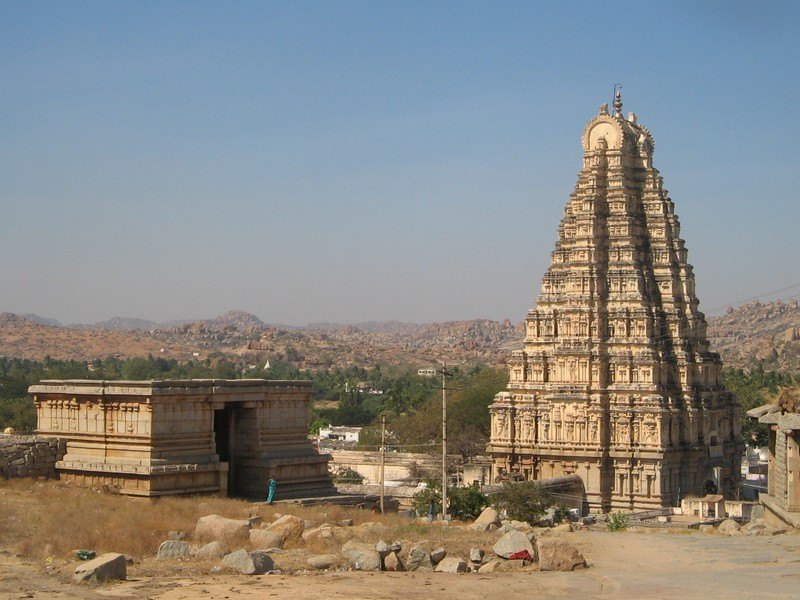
x=615, y=382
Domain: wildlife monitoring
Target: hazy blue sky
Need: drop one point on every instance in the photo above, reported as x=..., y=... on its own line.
x=348, y=161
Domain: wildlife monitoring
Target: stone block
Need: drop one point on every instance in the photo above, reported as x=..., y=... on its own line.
x=103, y=568
x=451, y=564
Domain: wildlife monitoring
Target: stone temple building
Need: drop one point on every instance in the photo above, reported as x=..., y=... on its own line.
x=615, y=381
x=153, y=438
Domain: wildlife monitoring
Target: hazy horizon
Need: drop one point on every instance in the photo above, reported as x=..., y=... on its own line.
x=352, y=162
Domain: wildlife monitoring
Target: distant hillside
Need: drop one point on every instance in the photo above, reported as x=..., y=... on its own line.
x=22, y=338
x=752, y=334
x=41, y=320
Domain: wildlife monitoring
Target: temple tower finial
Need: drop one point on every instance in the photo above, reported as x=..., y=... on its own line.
x=618, y=101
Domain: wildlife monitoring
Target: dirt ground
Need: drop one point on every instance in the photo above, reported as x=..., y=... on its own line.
x=631, y=564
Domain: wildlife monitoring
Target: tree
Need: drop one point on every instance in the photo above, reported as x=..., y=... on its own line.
x=522, y=501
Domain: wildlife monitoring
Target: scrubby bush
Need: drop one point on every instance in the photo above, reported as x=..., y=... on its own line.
x=347, y=475
x=466, y=503
x=522, y=501
x=616, y=522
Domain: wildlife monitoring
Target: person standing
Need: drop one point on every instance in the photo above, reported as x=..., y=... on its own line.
x=271, y=491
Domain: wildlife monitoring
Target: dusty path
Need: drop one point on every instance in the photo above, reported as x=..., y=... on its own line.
x=625, y=565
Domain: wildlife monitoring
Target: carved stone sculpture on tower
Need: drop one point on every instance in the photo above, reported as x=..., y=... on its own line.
x=617, y=344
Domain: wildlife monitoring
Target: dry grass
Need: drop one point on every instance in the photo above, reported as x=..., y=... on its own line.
x=42, y=520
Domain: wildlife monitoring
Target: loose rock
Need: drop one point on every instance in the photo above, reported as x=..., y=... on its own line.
x=558, y=555
x=215, y=549
x=392, y=562
x=323, y=561
x=475, y=555
x=511, y=543
x=265, y=538
x=287, y=526
x=419, y=559
x=249, y=563
x=215, y=527
x=362, y=556
x=173, y=549
x=451, y=564
x=437, y=555
x=488, y=516
x=728, y=527
x=105, y=567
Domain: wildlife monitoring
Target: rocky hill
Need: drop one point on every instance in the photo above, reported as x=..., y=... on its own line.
x=767, y=334
x=22, y=338
x=752, y=334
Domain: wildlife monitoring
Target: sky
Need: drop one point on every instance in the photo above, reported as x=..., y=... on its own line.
x=355, y=161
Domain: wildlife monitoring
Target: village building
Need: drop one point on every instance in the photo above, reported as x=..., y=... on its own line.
x=615, y=382
x=154, y=438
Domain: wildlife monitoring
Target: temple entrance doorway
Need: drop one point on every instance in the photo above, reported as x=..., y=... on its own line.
x=224, y=438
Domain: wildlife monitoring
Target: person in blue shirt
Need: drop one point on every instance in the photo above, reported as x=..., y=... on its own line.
x=271, y=493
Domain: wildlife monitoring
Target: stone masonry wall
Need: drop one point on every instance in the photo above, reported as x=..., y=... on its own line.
x=30, y=455
x=780, y=468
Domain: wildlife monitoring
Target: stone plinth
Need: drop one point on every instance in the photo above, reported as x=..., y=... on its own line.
x=151, y=438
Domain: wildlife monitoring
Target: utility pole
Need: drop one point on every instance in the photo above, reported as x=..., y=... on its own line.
x=383, y=456
x=444, y=442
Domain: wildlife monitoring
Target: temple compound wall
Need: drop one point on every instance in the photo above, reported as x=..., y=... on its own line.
x=153, y=438
x=615, y=381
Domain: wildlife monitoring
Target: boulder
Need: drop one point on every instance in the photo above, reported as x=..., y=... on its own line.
x=488, y=516
x=322, y=561
x=382, y=548
x=520, y=525
x=392, y=562
x=728, y=527
x=483, y=526
x=176, y=535
x=173, y=549
x=512, y=542
x=215, y=549
x=563, y=527
x=346, y=523
x=475, y=555
x=558, y=555
x=107, y=566
x=324, y=531
x=419, y=559
x=451, y=564
x=437, y=555
x=265, y=538
x=248, y=563
x=705, y=528
x=287, y=526
x=215, y=527
x=362, y=556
